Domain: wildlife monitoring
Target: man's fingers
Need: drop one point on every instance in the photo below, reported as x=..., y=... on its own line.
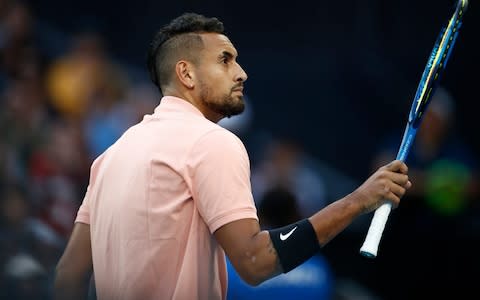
x=398, y=190
x=408, y=185
x=394, y=199
x=398, y=178
x=397, y=166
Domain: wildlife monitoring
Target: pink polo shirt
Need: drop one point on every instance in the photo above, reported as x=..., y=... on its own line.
x=154, y=199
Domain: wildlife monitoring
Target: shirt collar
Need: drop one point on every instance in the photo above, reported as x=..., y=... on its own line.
x=175, y=104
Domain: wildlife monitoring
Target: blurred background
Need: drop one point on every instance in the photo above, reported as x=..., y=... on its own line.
x=329, y=90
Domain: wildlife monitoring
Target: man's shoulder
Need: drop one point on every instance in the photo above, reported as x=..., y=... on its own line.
x=218, y=135
x=219, y=143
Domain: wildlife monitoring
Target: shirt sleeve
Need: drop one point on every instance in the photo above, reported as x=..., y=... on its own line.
x=221, y=179
x=83, y=214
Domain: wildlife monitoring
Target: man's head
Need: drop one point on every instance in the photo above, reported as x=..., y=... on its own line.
x=192, y=58
x=438, y=119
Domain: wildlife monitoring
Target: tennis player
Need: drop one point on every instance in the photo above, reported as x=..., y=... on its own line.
x=172, y=196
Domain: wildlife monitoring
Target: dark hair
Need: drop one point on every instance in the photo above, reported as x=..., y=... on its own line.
x=278, y=207
x=177, y=40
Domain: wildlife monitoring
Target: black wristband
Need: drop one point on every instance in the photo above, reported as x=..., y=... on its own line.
x=294, y=243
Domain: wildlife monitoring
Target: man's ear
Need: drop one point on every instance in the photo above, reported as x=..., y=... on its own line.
x=185, y=73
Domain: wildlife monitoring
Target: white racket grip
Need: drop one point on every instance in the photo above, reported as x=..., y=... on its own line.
x=375, y=231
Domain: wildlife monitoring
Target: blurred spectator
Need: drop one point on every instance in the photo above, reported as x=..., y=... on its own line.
x=85, y=78
x=58, y=176
x=311, y=280
x=28, y=250
x=15, y=233
x=25, y=279
x=22, y=123
x=443, y=168
x=16, y=35
x=437, y=213
x=284, y=162
x=278, y=208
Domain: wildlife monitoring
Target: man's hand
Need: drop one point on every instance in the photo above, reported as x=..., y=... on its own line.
x=388, y=183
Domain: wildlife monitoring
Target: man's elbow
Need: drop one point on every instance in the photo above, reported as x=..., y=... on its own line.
x=63, y=275
x=254, y=275
x=70, y=284
x=63, y=281
x=58, y=276
x=252, y=280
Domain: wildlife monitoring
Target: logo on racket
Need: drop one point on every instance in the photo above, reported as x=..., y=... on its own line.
x=286, y=236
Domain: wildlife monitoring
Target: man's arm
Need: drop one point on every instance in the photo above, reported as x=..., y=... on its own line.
x=75, y=267
x=253, y=253
x=251, y=250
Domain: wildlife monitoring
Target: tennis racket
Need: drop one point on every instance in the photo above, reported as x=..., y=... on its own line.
x=430, y=77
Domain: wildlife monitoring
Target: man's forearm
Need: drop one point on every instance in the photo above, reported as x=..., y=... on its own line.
x=334, y=218
x=69, y=287
x=75, y=268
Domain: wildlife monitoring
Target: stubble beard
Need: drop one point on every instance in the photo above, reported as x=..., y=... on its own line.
x=226, y=105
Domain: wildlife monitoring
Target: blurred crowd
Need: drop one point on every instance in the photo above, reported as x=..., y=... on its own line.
x=65, y=100
x=61, y=105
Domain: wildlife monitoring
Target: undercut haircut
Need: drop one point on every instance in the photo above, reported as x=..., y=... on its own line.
x=178, y=40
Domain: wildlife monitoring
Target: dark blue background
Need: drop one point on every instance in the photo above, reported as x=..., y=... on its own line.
x=337, y=75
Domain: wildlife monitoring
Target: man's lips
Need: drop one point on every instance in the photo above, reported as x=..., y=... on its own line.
x=238, y=89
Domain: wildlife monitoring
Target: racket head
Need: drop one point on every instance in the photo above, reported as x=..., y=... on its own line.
x=436, y=64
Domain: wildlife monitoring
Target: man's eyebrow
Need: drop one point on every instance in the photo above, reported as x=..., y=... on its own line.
x=227, y=54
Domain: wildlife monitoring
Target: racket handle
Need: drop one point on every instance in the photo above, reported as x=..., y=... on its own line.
x=372, y=240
